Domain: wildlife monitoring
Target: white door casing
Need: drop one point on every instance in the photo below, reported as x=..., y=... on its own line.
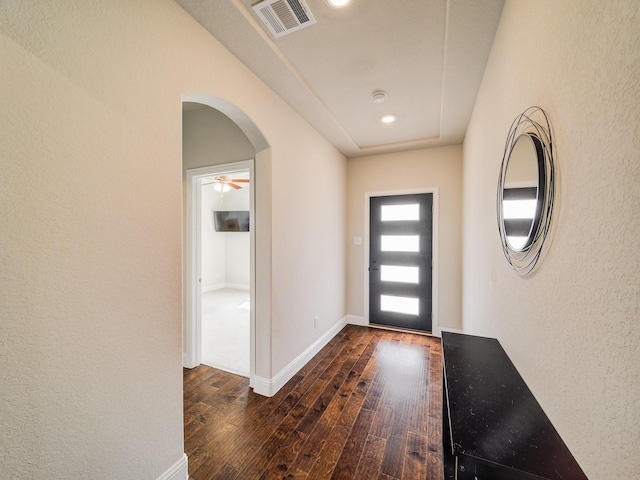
x=433, y=190
x=193, y=256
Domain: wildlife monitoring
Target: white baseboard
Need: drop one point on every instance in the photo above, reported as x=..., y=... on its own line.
x=211, y=288
x=262, y=386
x=360, y=321
x=269, y=387
x=179, y=470
x=185, y=361
x=220, y=286
x=357, y=320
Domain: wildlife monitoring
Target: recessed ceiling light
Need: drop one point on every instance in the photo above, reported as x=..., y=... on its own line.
x=339, y=3
x=388, y=118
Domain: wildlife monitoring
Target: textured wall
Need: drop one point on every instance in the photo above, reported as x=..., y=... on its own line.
x=90, y=383
x=572, y=328
x=309, y=198
x=435, y=167
x=90, y=230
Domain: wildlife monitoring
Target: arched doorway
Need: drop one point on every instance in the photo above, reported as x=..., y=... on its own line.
x=260, y=246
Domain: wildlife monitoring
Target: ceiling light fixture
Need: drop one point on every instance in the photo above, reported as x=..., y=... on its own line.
x=379, y=96
x=339, y=3
x=223, y=184
x=388, y=118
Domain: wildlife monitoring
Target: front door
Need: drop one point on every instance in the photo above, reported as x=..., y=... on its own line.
x=400, y=261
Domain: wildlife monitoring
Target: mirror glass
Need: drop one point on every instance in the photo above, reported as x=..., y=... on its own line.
x=521, y=199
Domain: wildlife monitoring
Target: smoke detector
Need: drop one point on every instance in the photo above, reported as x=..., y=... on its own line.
x=379, y=96
x=283, y=17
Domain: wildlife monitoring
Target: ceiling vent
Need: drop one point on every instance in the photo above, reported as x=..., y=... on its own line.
x=283, y=17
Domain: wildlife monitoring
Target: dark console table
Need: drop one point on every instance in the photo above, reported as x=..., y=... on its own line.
x=493, y=427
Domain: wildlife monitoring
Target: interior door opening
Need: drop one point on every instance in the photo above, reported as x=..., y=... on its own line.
x=225, y=274
x=220, y=266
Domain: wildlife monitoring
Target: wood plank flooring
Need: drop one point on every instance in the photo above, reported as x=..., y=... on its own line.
x=368, y=406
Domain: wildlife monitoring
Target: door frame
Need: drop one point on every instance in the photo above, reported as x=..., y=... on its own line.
x=193, y=246
x=435, y=330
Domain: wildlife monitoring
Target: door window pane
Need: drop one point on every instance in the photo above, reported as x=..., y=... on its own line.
x=394, y=213
x=517, y=242
x=400, y=243
x=407, y=305
x=393, y=273
x=519, y=208
x=524, y=210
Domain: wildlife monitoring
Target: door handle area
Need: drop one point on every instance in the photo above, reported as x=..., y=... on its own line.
x=373, y=265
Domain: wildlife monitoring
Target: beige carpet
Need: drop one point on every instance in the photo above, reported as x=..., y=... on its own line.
x=225, y=330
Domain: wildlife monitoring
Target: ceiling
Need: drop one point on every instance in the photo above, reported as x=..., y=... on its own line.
x=427, y=55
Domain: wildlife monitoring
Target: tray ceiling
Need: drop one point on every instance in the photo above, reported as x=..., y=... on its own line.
x=427, y=55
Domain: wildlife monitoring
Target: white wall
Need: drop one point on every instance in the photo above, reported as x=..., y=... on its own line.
x=309, y=198
x=91, y=93
x=237, y=244
x=226, y=256
x=213, y=244
x=572, y=327
x=237, y=264
x=435, y=167
x=210, y=137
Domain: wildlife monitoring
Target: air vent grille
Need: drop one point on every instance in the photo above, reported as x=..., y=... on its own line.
x=284, y=16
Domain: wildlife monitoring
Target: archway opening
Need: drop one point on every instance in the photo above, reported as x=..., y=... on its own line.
x=229, y=137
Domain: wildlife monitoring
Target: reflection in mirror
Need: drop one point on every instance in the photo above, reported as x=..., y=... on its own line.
x=526, y=190
x=520, y=202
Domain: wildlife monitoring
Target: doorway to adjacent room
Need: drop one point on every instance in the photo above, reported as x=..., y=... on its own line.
x=220, y=267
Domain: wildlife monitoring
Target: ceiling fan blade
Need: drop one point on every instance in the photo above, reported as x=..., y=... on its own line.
x=233, y=185
x=239, y=180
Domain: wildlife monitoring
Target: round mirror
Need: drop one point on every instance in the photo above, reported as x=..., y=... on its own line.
x=526, y=190
x=522, y=192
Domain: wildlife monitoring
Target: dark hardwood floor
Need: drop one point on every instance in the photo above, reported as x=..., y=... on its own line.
x=368, y=406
